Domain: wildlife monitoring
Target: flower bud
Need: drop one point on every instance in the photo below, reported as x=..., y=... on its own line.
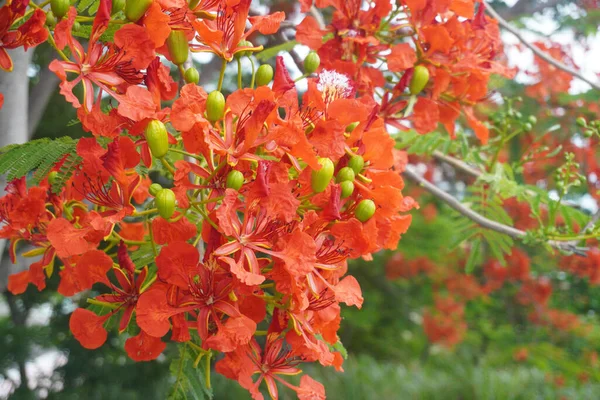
x=347, y=189
x=178, y=46
x=419, y=79
x=52, y=177
x=165, y=202
x=357, y=164
x=60, y=7
x=264, y=74
x=154, y=189
x=351, y=127
x=135, y=9
x=532, y=119
x=117, y=5
x=311, y=62
x=320, y=179
x=588, y=133
x=157, y=138
x=50, y=19
x=345, y=174
x=527, y=127
x=244, y=43
x=191, y=75
x=581, y=122
x=235, y=180
x=215, y=106
x=364, y=210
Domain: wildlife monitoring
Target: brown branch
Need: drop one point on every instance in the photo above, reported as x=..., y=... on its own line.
x=479, y=219
x=536, y=50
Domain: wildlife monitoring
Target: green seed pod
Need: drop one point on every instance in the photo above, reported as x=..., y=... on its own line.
x=581, y=122
x=357, y=163
x=351, y=127
x=320, y=179
x=345, y=174
x=191, y=75
x=135, y=9
x=347, y=189
x=311, y=62
x=178, y=46
x=117, y=5
x=154, y=189
x=215, y=106
x=364, y=210
x=264, y=75
x=165, y=202
x=52, y=177
x=157, y=138
x=235, y=180
x=244, y=43
x=419, y=79
x=60, y=7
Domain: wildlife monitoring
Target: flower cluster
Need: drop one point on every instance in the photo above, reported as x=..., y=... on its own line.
x=266, y=193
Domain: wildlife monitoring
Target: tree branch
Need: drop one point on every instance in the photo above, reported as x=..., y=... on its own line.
x=479, y=219
x=544, y=56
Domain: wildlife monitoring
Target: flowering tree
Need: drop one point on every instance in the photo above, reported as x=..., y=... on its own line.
x=240, y=254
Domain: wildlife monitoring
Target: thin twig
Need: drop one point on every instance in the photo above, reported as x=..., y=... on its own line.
x=479, y=219
x=546, y=57
x=456, y=163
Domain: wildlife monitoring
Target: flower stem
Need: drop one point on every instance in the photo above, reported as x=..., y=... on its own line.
x=222, y=74
x=239, y=65
x=253, y=72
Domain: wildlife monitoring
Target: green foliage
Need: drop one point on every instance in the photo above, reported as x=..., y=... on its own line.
x=190, y=382
x=427, y=144
x=66, y=171
x=18, y=160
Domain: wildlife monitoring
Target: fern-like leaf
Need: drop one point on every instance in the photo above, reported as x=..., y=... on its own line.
x=66, y=171
x=17, y=161
x=189, y=380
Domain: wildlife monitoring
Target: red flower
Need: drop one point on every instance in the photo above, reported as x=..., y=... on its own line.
x=29, y=34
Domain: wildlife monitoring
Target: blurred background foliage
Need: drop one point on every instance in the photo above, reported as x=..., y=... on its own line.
x=427, y=330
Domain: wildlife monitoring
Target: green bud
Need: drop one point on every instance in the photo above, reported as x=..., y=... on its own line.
x=191, y=75
x=347, y=189
x=350, y=128
x=135, y=9
x=312, y=62
x=320, y=179
x=60, y=7
x=117, y=5
x=532, y=119
x=419, y=79
x=588, y=133
x=581, y=122
x=244, y=43
x=357, y=163
x=235, y=180
x=50, y=19
x=365, y=210
x=527, y=127
x=178, y=46
x=264, y=75
x=157, y=138
x=52, y=177
x=154, y=189
x=215, y=106
x=518, y=115
x=165, y=202
x=345, y=174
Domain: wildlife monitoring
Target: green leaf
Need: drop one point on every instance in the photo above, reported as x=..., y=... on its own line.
x=273, y=51
x=189, y=381
x=85, y=4
x=473, y=256
x=17, y=161
x=66, y=171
